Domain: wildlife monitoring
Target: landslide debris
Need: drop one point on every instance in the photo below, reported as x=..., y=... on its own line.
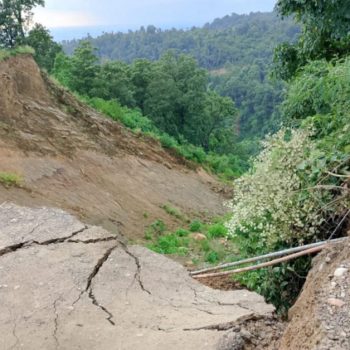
x=71, y=157
x=64, y=289
x=320, y=319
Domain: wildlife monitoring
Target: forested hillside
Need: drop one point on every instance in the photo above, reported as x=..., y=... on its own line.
x=236, y=49
x=238, y=39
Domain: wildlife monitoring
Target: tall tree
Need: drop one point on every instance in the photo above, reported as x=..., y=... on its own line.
x=46, y=49
x=325, y=33
x=15, y=16
x=84, y=69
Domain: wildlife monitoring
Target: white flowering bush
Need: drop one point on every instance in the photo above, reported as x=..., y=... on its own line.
x=272, y=201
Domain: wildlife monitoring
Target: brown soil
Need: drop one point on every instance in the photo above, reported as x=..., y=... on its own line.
x=320, y=318
x=222, y=283
x=73, y=158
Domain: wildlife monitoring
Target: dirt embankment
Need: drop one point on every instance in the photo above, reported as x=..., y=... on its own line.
x=320, y=319
x=73, y=158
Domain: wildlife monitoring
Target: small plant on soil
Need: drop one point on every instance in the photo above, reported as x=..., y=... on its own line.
x=173, y=211
x=10, y=179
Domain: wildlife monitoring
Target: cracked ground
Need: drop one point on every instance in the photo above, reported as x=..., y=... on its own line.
x=64, y=285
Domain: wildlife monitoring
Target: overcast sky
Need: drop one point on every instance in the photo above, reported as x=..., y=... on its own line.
x=131, y=14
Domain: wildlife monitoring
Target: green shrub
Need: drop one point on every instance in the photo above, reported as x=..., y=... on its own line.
x=217, y=230
x=155, y=229
x=212, y=257
x=182, y=232
x=170, y=244
x=196, y=226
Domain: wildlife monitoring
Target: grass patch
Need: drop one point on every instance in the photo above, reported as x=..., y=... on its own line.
x=173, y=212
x=20, y=50
x=10, y=179
x=212, y=247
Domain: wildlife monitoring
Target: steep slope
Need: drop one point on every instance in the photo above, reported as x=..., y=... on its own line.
x=320, y=319
x=73, y=158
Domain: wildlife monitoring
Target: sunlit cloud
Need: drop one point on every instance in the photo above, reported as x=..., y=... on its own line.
x=62, y=19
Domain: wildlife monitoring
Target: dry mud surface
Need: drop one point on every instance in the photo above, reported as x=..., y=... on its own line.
x=64, y=285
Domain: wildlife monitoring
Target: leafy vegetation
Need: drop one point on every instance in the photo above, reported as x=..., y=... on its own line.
x=200, y=242
x=325, y=34
x=236, y=49
x=296, y=191
x=15, y=16
x=226, y=166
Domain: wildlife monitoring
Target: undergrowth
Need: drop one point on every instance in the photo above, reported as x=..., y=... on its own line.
x=202, y=243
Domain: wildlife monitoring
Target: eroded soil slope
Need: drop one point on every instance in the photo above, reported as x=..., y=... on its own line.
x=68, y=286
x=320, y=319
x=73, y=158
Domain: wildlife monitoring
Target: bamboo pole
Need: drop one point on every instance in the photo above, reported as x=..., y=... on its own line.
x=263, y=257
x=266, y=264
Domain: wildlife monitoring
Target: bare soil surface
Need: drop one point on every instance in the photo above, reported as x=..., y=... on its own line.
x=73, y=158
x=65, y=285
x=320, y=319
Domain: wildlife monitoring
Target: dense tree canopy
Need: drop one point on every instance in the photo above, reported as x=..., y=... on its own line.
x=325, y=33
x=237, y=50
x=15, y=16
x=172, y=92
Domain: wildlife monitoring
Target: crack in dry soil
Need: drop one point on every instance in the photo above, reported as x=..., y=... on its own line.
x=13, y=248
x=221, y=327
x=89, y=288
x=56, y=323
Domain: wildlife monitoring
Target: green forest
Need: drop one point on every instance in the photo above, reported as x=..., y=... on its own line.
x=236, y=49
x=241, y=86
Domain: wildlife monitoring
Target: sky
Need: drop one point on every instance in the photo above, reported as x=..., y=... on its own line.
x=78, y=15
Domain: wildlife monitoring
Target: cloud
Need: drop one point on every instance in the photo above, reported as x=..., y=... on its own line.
x=61, y=19
x=134, y=13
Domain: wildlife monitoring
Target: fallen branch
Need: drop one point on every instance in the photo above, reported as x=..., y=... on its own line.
x=266, y=264
x=263, y=257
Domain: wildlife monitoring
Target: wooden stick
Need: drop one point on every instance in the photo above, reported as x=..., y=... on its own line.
x=263, y=257
x=266, y=264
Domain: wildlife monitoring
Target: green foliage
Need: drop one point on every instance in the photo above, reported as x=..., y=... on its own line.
x=212, y=257
x=15, y=16
x=217, y=230
x=226, y=166
x=238, y=51
x=238, y=39
x=10, y=179
x=325, y=33
x=212, y=247
x=46, y=49
x=182, y=232
x=291, y=195
x=196, y=226
x=171, y=244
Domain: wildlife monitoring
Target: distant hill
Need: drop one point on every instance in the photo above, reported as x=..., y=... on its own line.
x=233, y=39
x=237, y=49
